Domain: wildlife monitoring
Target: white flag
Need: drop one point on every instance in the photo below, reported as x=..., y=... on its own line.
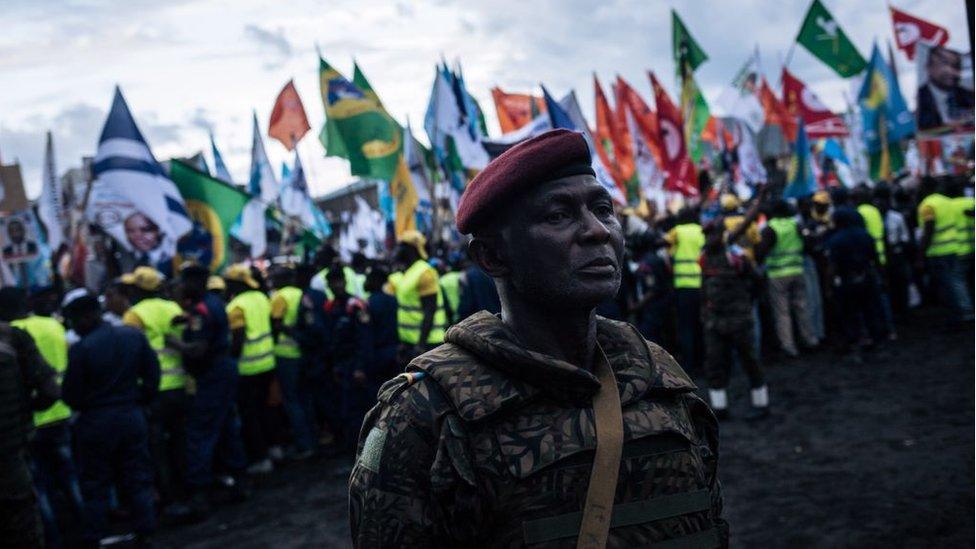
x=50, y=206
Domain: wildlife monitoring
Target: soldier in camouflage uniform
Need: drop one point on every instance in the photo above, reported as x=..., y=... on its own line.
x=489, y=439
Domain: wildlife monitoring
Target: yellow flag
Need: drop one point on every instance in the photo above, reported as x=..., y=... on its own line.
x=404, y=197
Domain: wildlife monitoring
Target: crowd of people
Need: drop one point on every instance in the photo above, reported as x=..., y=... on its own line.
x=173, y=391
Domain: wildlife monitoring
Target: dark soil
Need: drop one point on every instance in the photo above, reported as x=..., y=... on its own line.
x=878, y=454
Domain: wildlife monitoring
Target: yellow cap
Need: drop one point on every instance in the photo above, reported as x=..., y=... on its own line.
x=216, y=283
x=240, y=272
x=144, y=278
x=415, y=239
x=729, y=202
x=821, y=197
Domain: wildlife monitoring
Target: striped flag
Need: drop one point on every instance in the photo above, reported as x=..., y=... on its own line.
x=132, y=198
x=220, y=169
x=50, y=205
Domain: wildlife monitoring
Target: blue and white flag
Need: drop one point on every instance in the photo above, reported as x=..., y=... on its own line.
x=296, y=202
x=264, y=190
x=220, y=169
x=132, y=199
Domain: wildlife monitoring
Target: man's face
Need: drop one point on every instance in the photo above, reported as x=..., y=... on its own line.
x=564, y=244
x=337, y=285
x=944, y=67
x=16, y=232
x=141, y=232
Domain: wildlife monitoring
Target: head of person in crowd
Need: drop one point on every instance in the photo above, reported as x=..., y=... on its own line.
x=239, y=279
x=359, y=262
x=116, y=296
x=258, y=277
x=926, y=186
x=781, y=208
x=729, y=202
x=686, y=215
x=13, y=303
x=376, y=278
x=335, y=279
x=193, y=283
x=411, y=247
x=544, y=228
x=144, y=282
x=304, y=273
x=861, y=194
x=844, y=218
x=820, y=206
x=324, y=257
x=840, y=197
x=216, y=286
x=953, y=186
x=882, y=196
x=44, y=301
x=714, y=230
x=456, y=260
x=281, y=275
x=82, y=311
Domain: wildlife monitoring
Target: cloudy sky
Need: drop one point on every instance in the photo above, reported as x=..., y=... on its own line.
x=189, y=66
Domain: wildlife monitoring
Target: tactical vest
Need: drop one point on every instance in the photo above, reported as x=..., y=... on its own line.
x=257, y=355
x=727, y=288
x=944, y=239
x=874, y=224
x=49, y=337
x=786, y=257
x=157, y=315
x=964, y=229
x=687, y=248
x=286, y=346
x=410, y=313
x=451, y=285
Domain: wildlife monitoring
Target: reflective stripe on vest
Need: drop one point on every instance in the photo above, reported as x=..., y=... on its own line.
x=286, y=346
x=49, y=337
x=946, y=220
x=257, y=355
x=410, y=313
x=786, y=257
x=156, y=315
x=875, y=227
x=687, y=248
x=964, y=225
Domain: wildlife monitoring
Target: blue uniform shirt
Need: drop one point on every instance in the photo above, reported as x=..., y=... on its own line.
x=110, y=366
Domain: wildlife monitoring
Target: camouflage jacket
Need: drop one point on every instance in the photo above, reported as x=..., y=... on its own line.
x=485, y=444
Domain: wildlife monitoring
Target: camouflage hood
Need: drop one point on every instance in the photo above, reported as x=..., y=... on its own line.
x=484, y=368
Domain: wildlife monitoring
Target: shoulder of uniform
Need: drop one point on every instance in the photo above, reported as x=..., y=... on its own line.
x=624, y=345
x=414, y=397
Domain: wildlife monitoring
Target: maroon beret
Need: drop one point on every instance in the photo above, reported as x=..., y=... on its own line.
x=552, y=155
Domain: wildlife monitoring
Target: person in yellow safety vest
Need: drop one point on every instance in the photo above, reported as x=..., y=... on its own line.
x=50, y=448
x=421, y=319
x=732, y=216
x=782, y=250
x=964, y=230
x=252, y=345
x=289, y=360
x=686, y=241
x=939, y=219
x=327, y=258
x=154, y=315
x=873, y=221
x=451, y=288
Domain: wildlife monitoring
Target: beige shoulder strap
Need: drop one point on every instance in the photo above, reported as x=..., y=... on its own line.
x=598, y=509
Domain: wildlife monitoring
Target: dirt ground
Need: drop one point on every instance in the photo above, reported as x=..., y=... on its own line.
x=874, y=455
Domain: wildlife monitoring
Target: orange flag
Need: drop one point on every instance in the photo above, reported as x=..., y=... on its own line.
x=645, y=117
x=776, y=112
x=681, y=176
x=516, y=109
x=604, y=137
x=288, y=121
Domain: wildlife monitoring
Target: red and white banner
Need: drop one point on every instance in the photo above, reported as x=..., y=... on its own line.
x=910, y=30
x=801, y=101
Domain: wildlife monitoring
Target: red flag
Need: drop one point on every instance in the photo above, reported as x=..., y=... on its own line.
x=801, y=101
x=910, y=30
x=776, y=112
x=645, y=117
x=516, y=109
x=604, y=136
x=681, y=176
x=288, y=121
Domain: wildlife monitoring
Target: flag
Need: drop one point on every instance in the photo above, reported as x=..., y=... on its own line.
x=263, y=190
x=822, y=36
x=420, y=176
x=357, y=128
x=359, y=80
x=452, y=135
x=213, y=206
x=220, y=169
x=515, y=110
x=680, y=171
x=404, y=199
x=750, y=168
x=50, y=205
x=288, y=123
x=648, y=174
x=131, y=197
x=695, y=113
x=885, y=118
x=800, y=181
x=776, y=112
x=610, y=156
x=571, y=118
x=910, y=31
x=296, y=203
x=644, y=117
x=28, y=257
x=801, y=102
x=740, y=99
x=684, y=48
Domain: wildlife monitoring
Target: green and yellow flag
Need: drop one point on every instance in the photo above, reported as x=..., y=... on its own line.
x=822, y=36
x=695, y=112
x=684, y=48
x=357, y=127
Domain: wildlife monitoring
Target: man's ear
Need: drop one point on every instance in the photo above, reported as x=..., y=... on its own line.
x=487, y=254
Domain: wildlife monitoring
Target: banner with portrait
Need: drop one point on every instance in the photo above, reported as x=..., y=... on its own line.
x=945, y=90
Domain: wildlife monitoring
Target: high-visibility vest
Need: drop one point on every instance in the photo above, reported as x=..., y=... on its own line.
x=451, y=284
x=964, y=227
x=410, y=313
x=157, y=316
x=786, y=257
x=286, y=346
x=688, y=245
x=874, y=224
x=946, y=225
x=257, y=355
x=49, y=337
x=354, y=282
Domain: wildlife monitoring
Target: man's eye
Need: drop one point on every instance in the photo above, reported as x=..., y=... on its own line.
x=556, y=217
x=603, y=210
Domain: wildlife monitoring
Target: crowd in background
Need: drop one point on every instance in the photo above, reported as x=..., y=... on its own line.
x=232, y=374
